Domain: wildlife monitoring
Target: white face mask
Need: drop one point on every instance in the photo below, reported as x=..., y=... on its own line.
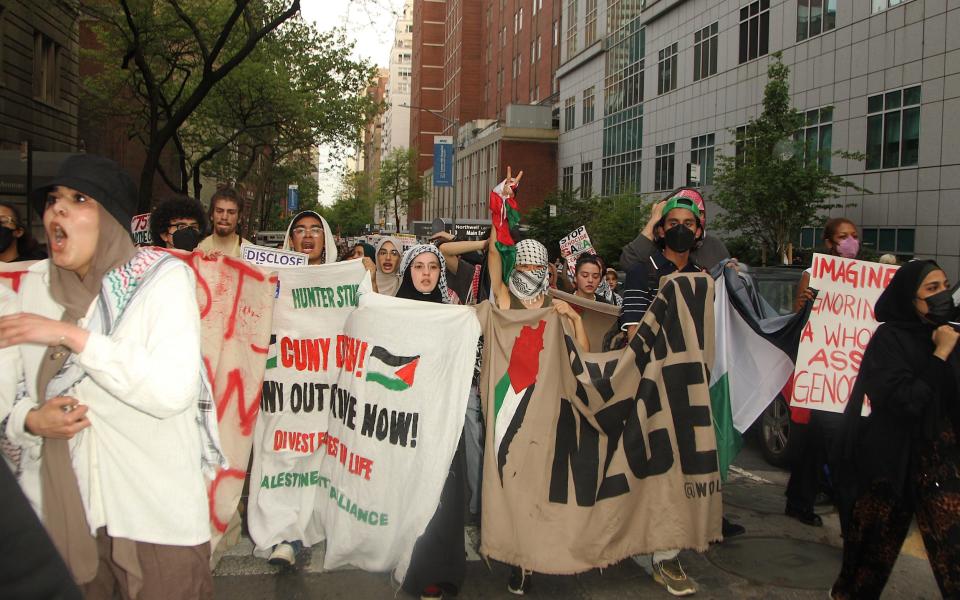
x=528, y=285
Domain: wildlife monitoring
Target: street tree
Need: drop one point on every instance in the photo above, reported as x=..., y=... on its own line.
x=399, y=186
x=172, y=54
x=352, y=210
x=774, y=184
x=572, y=211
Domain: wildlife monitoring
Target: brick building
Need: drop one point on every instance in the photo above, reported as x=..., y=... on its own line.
x=499, y=98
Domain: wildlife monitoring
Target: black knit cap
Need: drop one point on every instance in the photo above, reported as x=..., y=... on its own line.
x=98, y=177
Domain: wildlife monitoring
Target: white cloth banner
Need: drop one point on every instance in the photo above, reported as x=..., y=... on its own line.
x=363, y=460
x=308, y=317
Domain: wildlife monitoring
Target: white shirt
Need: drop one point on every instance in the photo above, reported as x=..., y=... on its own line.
x=138, y=464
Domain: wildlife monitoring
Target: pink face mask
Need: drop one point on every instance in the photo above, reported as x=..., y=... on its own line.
x=848, y=247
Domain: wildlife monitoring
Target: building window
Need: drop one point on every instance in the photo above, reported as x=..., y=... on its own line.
x=556, y=33
x=705, y=52
x=566, y=183
x=815, y=17
x=521, y=18
x=893, y=129
x=888, y=239
x=569, y=113
x=663, y=167
x=701, y=153
x=588, y=105
x=623, y=104
x=754, y=30
x=590, y=24
x=571, y=27
x=586, y=179
x=539, y=54
x=882, y=5
x=817, y=136
x=742, y=144
x=46, y=69
x=667, y=69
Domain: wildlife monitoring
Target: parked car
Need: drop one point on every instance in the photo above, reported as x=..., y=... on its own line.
x=778, y=286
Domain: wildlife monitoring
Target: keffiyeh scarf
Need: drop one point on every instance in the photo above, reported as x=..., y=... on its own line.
x=527, y=285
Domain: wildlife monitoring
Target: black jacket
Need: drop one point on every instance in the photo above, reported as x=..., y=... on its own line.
x=909, y=389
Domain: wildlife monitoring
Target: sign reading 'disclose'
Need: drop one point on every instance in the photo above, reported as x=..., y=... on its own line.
x=271, y=257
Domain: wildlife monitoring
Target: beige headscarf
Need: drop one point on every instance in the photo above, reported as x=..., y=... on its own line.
x=63, y=512
x=389, y=283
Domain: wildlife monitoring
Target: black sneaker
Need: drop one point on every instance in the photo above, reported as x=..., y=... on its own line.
x=807, y=517
x=520, y=581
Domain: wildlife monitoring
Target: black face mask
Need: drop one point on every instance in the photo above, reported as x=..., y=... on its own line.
x=940, y=308
x=6, y=238
x=186, y=239
x=679, y=238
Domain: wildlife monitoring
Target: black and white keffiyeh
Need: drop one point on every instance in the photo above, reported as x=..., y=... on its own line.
x=407, y=289
x=528, y=285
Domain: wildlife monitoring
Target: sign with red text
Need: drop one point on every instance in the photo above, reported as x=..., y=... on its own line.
x=573, y=245
x=236, y=311
x=361, y=412
x=140, y=228
x=840, y=327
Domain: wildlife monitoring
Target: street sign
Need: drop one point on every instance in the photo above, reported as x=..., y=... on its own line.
x=442, y=161
x=293, y=197
x=693, y=174
x=553, y=210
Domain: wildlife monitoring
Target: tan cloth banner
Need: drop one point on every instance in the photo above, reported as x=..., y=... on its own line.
x=598, y=317
x=592, y=458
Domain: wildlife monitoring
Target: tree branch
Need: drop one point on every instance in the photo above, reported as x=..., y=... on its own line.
x=204, y=51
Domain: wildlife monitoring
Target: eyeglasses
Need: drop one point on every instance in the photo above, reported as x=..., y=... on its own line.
x=392, y=253
x=180, y=226
x=315, y=230
x=5, y=220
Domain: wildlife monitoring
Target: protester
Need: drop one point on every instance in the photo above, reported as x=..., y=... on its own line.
x=708, y=251
x=815, y=429
x=587, y=275
x=388, y=259
x=178, y=222
x=16, y=243
x=310, y=234
x=362, y=249
x=225, y=209
x=904, y=456
x=613, y=279
x=469, y=280
x=438, y=563
x=887, y=259
x=527, y=288
x=111, y=396
x=677, y=231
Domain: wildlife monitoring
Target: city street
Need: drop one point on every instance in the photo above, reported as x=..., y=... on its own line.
x=777, y=558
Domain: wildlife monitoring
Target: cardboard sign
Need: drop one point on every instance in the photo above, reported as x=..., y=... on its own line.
x=140, y=228
x=573, y=245
x=840, y=327
x=271, y=257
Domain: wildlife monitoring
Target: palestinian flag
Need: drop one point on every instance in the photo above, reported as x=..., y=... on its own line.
x=755, y=354
x=513, y=392
x=505, y=214
x=392, y=372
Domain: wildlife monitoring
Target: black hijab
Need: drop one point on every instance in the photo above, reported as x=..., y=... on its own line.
x=408, y=290
x=895, y=304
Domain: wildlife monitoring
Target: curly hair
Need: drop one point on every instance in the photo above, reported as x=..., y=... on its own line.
x=174, y=208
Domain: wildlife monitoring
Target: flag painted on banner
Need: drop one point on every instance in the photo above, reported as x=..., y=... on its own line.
x=754, y=359
x=840, y=327
x=595, y=457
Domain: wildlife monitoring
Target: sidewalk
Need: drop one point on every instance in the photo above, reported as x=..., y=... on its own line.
x=777, y=558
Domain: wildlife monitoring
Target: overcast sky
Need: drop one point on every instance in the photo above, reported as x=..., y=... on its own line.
x=369, y=23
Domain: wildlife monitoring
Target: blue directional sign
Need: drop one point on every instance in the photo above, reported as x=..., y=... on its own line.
x=293, y=198
x=442, y=161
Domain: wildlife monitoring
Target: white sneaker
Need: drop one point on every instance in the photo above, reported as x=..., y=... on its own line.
x=283, y=555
